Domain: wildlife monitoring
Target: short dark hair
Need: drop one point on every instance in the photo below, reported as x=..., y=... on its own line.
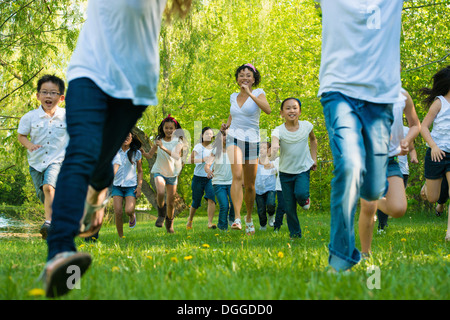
x=253, y=69
x=292, y=98
x=53, y=79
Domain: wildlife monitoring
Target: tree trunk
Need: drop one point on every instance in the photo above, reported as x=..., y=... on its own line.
x=148, y=189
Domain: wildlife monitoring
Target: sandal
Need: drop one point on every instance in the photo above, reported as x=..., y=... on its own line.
x=249, y=228
x=236, y=225
x=89, y=216
x=57, y=276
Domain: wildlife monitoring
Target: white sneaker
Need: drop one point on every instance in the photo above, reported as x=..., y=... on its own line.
x=307, y=204
x=271, y=220
x=263, y=228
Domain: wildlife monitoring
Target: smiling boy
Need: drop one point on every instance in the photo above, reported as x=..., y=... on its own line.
x=46, y=127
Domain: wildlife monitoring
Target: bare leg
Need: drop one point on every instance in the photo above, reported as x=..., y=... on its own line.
x=49, y=194
x=211, y=209
x=366, y=223
x=118, y=202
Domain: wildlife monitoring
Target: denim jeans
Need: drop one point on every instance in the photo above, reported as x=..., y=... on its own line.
x=97, y=125
x=359, y=133
x=265, y=203
x=295, y=188
x=226, y=209
x=280, y=211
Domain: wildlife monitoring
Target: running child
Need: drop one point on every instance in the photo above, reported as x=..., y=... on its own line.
x=201, y=181
x=394, y=203
x=437, y=158
x=218, y=166
x=127, y=184
x=265, y=184
x=46, y=146
x=297, y=159
x=168, y=147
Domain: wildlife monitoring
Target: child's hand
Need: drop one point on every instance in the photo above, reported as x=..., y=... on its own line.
x=224, y=127
x=437, y=154
x=314, y=166
x=138, y=191
x=158, y=142
x=414, y=160
x=404, y=147
x=210, y=175
x=34, y=147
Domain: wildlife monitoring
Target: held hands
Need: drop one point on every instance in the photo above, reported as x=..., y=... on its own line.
x=404, y=147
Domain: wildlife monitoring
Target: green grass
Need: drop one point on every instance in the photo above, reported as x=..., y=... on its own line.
x=412, y=257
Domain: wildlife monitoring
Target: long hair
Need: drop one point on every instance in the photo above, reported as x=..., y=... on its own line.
x=441, y=86
x=135, y=145
x=178, y=129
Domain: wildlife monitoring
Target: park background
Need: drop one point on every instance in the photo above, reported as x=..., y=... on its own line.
x=198, y=58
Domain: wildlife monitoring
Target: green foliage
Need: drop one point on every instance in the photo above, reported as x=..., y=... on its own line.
x=198, y=57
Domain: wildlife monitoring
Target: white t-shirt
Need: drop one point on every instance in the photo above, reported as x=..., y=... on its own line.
x=403, y=160
x=222, y=169
x=397, y=126
x=276, y=165
x=441, y=126
x=245, y=120
x=118, y=48
x=265, y=179
x=201, y=152
x=361, y=49
x=49, y=132
x=165, y=164
x=126, y=174
x=295, y=156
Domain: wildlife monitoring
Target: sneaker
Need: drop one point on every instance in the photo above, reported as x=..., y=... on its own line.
x=271, y=220
x=237, y=225
x=57, y=276
x=307, y=205
x=44, y=230
x=263, y=228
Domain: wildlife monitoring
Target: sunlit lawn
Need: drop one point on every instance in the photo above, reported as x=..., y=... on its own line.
x=412, y=258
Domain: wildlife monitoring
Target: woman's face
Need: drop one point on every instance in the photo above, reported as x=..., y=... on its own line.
x=245, y=77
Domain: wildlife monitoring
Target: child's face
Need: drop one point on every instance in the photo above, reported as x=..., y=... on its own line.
x=169, y=129
x=128, y=140
x=208, y=136
x=291, y=110
x=263, y=149
x=49, y=96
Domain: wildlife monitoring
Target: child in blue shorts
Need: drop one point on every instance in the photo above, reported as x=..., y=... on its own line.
x=46, y=147
x=127, y=184
x=201, y=181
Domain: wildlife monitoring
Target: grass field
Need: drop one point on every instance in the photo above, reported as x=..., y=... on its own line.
x=411, y=261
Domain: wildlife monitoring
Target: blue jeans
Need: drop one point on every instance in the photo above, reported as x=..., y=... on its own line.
x=97, y=125
x=359, y=133
x=200, y=186
x=280, y=211
x=226, y=209
x=265, y=203
x=295, y=188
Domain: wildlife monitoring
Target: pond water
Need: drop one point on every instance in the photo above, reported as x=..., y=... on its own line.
x=11, y=225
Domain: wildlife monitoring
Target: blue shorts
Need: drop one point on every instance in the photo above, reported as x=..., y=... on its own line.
x=123, y=191
x=250, y=150
x=48, y=176
x=200, y=186
x=169, y=180
x=393, y=168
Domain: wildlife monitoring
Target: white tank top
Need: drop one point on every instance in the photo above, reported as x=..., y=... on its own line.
x=441, y=126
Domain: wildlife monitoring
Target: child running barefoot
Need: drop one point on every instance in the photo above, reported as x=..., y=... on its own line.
x=296, y=161
x=168, y=146
x=218, y=166
x=437, y=158
x=127, y=185
x=394, y=203
x=201, y=181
